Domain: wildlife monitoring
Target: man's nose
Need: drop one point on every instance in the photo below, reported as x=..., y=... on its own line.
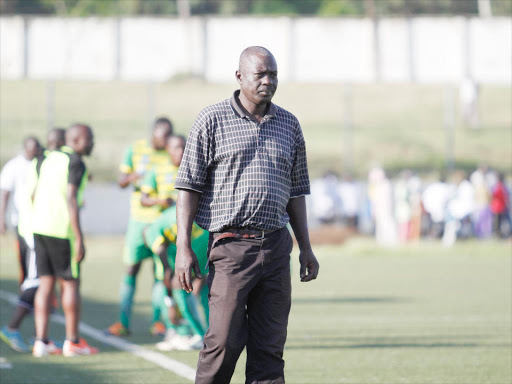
x=267, y=79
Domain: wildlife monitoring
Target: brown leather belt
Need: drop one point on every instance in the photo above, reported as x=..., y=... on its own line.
x=240, y=233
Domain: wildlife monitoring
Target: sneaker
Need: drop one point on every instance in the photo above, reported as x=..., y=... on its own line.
x=71, y=349
x=13, y=339
x=196, y=342
x=167, y=343
x=187, y=343
x=32, y=341
x=117, y=329
x=158, y=329
x=41, y=349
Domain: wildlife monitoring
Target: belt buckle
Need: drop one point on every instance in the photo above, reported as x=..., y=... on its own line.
x=262, y=236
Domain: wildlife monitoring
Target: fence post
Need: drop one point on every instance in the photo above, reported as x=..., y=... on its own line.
x=151, y=97
x=449, y=124
x=50, y=104
x=347, y=128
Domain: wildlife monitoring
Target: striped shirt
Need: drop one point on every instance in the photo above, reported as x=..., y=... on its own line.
x=246, y=170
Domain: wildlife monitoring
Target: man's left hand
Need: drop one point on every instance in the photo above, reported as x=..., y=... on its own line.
x=308, y=265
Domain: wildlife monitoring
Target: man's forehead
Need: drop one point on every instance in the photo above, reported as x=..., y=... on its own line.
x=261, y=62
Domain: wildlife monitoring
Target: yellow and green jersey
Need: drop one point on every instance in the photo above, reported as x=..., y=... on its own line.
x=165, y=231
x=141, y=157
x=159, y=181
x=50, y=214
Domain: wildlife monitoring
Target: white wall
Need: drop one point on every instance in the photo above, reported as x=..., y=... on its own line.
x=11, y=48
x=71, y=48
x=430, y=50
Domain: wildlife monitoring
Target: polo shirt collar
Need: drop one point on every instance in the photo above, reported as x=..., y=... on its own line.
x=242, y=113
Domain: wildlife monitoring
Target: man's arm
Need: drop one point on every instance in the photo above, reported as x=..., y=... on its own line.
x=4, y=199
x=162, y=254
x=186, y=209
x=147, y=201
x=125, y=179
x=309, y=266
x=74, y=219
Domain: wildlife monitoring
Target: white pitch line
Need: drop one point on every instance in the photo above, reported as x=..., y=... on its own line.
x=163, y=361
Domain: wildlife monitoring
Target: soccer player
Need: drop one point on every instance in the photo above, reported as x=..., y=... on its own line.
x=161, y=237
x=13, y=181
x=55, y=139
x=139, y=158
x=161, y=234
x=58, y=239
x=10, y=333
x=158, y=191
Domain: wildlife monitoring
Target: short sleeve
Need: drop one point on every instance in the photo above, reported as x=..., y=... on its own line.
x=8, y=176
x=192, y=173
x=300, y=175
x=76, y=170
x=149, y=182
x=126, y=165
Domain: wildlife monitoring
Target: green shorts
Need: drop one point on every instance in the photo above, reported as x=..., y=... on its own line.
x=200, y=248
x=135, y=250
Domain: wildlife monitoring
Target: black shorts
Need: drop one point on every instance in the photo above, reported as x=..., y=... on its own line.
x=55, y=257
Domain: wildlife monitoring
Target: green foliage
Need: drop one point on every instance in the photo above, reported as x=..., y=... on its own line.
x=252, y=7
x=340, y=7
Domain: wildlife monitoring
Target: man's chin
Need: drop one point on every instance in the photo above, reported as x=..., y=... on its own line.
x=265, y=98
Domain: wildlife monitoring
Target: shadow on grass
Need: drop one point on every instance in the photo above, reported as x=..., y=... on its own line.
x=97, y=314
x=94, y=313
x=386, y=345
x=348, y=300
x=380, y=340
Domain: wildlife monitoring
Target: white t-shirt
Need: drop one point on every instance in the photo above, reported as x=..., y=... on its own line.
x=14, y=179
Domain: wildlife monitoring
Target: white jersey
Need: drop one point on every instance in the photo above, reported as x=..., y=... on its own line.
x=14, y=179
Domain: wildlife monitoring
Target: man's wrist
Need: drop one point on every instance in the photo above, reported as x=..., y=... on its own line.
x=185, y=243
x=305, y=248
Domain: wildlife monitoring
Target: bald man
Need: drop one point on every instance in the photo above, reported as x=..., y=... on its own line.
x=58, y=238
x=243, y=178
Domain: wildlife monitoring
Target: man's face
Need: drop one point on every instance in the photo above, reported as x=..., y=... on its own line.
x=258, y=79
x=32, y=149
x=160, y=134
x=175, y=148
x=85, y=143
x=55, y=141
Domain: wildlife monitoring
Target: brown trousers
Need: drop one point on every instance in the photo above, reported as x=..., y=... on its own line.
x=250, y=298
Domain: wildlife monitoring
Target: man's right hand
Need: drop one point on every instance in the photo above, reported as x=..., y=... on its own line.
x=80, y=250
x=186, y=260
x=126, y=179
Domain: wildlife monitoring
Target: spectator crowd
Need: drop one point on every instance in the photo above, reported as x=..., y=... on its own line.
x=406, y=208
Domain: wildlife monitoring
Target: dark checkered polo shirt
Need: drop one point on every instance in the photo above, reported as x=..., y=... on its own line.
x=246, y=171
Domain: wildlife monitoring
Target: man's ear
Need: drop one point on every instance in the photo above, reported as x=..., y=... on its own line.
x=238, y=76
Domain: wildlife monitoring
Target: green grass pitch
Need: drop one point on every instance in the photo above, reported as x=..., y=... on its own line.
x=416, y=314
